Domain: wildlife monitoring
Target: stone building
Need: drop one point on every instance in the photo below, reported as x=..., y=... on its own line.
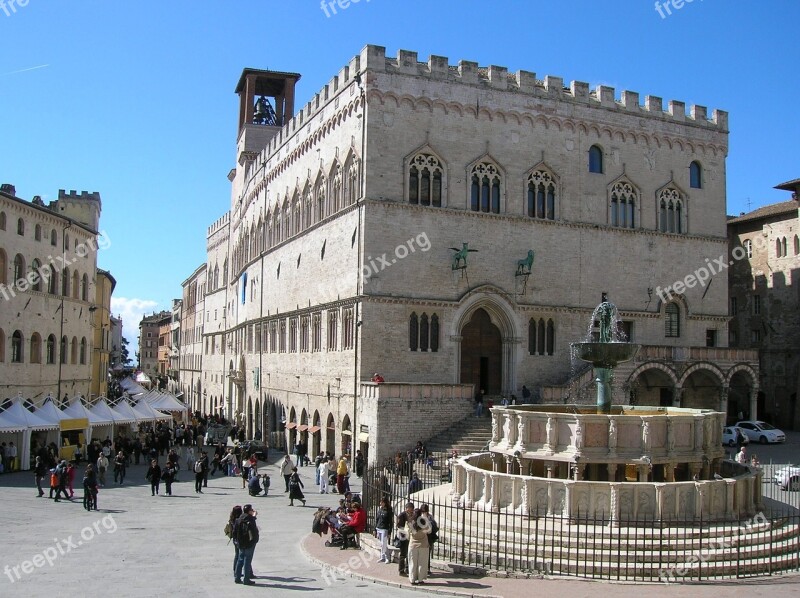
x=453, y=228
x=102, y=333
x=116, y=342
x=191, y=356
x=149, y=331
x=173, y=382
x=48, y=270
x=765, y=301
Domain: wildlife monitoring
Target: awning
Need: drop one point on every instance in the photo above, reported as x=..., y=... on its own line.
x=363, y=437
x=347, y=433
x=302, y=427
x=290, y=425
x=314, y=429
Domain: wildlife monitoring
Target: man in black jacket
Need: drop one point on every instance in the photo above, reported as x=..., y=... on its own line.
x=402, y=519
x=246, y=533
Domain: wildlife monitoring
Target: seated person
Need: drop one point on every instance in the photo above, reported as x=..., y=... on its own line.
x=254, y=486
x=356, y=522
x=377, y=378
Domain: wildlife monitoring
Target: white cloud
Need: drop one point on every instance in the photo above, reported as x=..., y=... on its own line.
x=131, y=311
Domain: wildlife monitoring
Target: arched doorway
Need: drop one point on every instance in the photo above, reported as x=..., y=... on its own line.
x=482, y=354
x=330, y=435
x=702, y=388
x=652, y=385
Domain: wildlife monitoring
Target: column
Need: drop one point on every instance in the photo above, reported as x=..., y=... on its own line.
x=643, y=472
x=469, y=501
x=669, y=472
x=548, y=469
x=522, y=431
x=509, y=465
x=723, y=400
x=677, y=394
x=754, y=415
x=694, y=470
x=612, y=472
x=580, y=468
x=552, y=434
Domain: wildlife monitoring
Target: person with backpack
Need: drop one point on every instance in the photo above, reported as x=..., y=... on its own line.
x=433, y=536
x=154, y=476
x=230, y=529
x=199, y=474
x=246, y=532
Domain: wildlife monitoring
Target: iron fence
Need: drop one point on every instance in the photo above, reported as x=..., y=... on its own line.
x=624, y=549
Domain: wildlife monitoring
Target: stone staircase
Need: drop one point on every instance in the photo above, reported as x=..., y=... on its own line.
x=467, y=436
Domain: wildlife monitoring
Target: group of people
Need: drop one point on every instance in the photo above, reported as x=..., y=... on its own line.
x=242, y=529
x=415, y=533
x=741, y=457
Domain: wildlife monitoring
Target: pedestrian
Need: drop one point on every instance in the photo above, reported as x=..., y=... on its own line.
x=360, y=461
x=236, y=512
x=265, y=482
x=154, y=476
x=341, y=472
x=89, y=488
x=206, y=468
x=71, y=471
x=402, y=538
x=286, y=470
x=246, y=532
x=102, y=465
x=295, y=485
x=39, y=471
x=741, y=456
x=11, y=456
x=383, y=528
x=198, y=476
x=526, y=395
x=245, y=471
x=322, y=474
x=53, y=482
x=418, y=547
x=433, y=535
x=62, y=478
x=168, y=475
x=190, y=458
x=479, y=403
x=120, y=467
x=414, y=484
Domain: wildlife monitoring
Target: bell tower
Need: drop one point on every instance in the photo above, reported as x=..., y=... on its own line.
x=266, y=98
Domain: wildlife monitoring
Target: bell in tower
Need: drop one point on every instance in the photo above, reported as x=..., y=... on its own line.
x=259, y=91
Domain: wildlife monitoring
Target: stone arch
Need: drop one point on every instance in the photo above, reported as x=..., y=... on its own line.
x=742, y=367
x=702, y=386
x=347, y=439
x=499, y=308
x=652, y=383
x=330, y=434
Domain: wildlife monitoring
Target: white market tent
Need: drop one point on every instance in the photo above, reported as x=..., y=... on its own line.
x=132, y=387
x=164, y=402
x=147, y=413
x=123, y=409
x=16, y=419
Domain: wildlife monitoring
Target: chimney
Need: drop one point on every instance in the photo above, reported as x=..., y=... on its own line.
x=8, y=188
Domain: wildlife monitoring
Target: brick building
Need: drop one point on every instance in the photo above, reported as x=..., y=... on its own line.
x=338, y=257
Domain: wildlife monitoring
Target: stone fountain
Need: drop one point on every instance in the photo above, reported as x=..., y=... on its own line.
x=607, y=353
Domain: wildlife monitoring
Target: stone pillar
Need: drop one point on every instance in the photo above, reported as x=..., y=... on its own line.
x=612, y=472
x=496, y=426
x=643, y=472
x=698, y=433
x=494, y=492
x=677, y=395
x=509, y=465
x=694, y=470
x=723, y=400
x=567, y=501
x=754, y=415
x=459, y=479
x=552, y=434
x=497, y=462
x=469, y=500
x=705, y=472
x=669, y=472
x=510, y=427
x=580, y=468
x=548, y=469
x=614, y=505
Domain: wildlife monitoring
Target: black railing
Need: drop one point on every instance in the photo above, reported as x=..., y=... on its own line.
x=625, y=549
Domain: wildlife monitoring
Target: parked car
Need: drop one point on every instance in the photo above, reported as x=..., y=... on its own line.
x=788, y=478
x=255, y=446
x=758, y=431
x=733, y=436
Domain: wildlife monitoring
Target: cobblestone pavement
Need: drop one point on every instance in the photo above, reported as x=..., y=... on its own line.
x=140, y=545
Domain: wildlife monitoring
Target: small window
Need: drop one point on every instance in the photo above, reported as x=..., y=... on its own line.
x=2, y=221
x=53, y=238
x=748, y=248
x=16, y=347
x=756, y=305
x=733, y=338
x=21, y=227
x=695, y=175
x=755, y=336
x=19, y=268
x=37, y=232
x=711, y=338
x=51, y=349
x=734, y=306
x=672, y=323
x=595, y=159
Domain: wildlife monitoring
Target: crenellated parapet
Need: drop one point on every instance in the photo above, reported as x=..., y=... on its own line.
x=218, y=224
x=438, y=68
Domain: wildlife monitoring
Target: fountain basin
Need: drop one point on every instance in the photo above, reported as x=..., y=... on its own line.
x=605, y=355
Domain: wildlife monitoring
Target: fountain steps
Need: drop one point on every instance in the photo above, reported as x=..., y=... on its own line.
x=467, y=436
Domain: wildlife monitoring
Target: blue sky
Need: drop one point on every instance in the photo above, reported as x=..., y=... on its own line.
x=136, y=100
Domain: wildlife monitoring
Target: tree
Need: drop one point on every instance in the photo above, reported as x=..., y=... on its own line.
x=125, y=356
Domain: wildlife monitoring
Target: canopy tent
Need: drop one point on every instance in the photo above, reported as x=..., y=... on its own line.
x=165, y=402
x=132, y=387
x=142, y=377
x=144, y=410
x=102, y=409
x=124, y=409
x=17, y=419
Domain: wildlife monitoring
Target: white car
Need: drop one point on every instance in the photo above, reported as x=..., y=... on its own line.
x=788, y=478
x=758, y=431
x=733, y=436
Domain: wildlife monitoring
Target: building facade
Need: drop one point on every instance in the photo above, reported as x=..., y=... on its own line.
x=116, y=342
x=173, y=382
x=765, y=301
x=149, y=332
x=453, y=228
x=102, y=333
x=195, y=395
x=48, y=269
